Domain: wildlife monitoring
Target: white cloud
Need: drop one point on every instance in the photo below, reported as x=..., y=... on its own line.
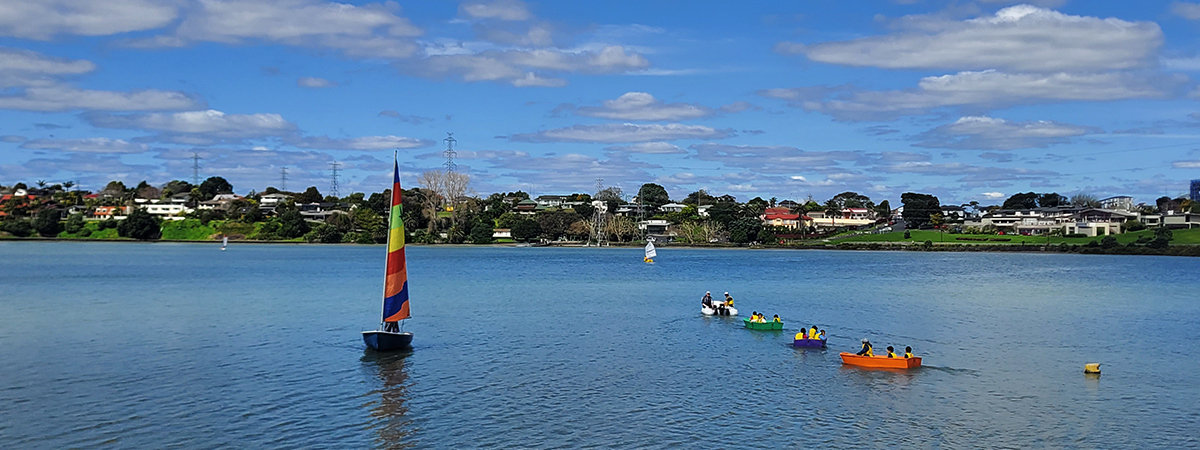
x=649, y=148
x=360, y=143
x=987, y=133
x=314, y=83
x=992, y=195
x=45, y=19
x=514, y=10
x=203, y=126
x=55, y=98
x=1186, y=164
x=777, y=159
x=524, y=67
x=87, y=145
x=613, y=133
x=1021, y=38
x=990, y=89
x=1190, y=11
x=26, y=68
x=643, y=106
x=372, y=30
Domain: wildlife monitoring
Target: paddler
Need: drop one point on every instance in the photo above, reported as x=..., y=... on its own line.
x=908, y=352
x=777, y=319
x=813, y=333
x=822, y=335
x=728, y=300
x=866, y=348
x=891, y=352
x=801, y=336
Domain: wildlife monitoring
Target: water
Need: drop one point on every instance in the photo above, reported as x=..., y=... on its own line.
x=108, y=345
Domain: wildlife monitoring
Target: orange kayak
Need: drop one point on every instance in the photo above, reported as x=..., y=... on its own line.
x=882, y=362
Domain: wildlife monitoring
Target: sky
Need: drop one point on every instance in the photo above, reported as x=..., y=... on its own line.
x=969, y=101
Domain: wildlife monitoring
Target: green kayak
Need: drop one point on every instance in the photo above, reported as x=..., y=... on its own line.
x=763, y=325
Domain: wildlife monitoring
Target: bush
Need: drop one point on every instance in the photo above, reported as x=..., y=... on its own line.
x=75, y=223
x=1134, y=225
x=481, y=234
x=1108, y=242
x=139, y=225
x=1075, y=235
x=18, y=228
x=324, y=233
x=46, y=223
x=907, y=234
x=106, y=224
x=928, y=244
x=525, y=230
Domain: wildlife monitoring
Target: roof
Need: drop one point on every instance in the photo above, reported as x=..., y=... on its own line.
x=782, y=216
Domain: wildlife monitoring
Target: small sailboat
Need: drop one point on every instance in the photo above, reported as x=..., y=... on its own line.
x=395, y=285
x=650, y=252
x=224, y=242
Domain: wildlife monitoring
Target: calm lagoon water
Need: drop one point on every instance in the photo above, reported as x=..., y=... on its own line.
x=107, y=345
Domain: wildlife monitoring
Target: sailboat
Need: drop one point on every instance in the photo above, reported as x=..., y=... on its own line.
x=224, y=242
x=395, y=284
x=650, y=252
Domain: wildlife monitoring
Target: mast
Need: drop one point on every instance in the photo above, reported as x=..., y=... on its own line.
x=387, y=245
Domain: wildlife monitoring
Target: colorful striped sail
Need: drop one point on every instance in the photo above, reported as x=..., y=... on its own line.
x=395, y=286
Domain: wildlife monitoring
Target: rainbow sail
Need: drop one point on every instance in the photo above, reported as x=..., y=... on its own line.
x=395, y=285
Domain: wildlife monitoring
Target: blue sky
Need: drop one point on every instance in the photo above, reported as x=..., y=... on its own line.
x=965, y=100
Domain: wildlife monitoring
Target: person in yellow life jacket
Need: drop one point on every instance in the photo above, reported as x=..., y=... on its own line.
x=866, y=348
x=728, y=300
x=891, y=352
x=822, y=335
x=908, y=352
x=813, y=332
x=754, y=316
x=800, y=336
x=777, y=318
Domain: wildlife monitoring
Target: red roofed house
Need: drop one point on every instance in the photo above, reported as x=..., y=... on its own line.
x=782, y=217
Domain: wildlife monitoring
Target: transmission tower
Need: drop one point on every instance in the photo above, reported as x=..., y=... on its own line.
x=283, y=179
x=333, y=177
x=598, y=216
x=450, y=153
x=196, y=169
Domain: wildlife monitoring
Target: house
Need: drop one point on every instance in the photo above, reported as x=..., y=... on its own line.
x=527, y=207
x=272, y=199
x=848, y=218
x=655, y=227
x=1122, y=203
x=502, y=233
x=1099, y=222
x=790, y=205
x=1179, y=219
x=782, y=217
x=672, y=207
x=953, y=214
x=552, y=201
x=109, y=212
x=221, y=201
x=167, y=210
x=702, y=210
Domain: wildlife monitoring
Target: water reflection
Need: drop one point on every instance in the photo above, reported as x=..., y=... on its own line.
x=394, y=428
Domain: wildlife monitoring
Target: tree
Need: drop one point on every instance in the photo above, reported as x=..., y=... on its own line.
x=292, y=224
x=744, y=229
x=884, y=209
x=1108, y=242
x=653, y=194
x=341, y=222
x=324, y=233
x=75, y=223
x=756, y=206
x=852, y=200
x=431, y=198
x=18, y=228
x=139, y=225
x=554, y=224
x=481, y=233
x=46, y=222
x=579, y=230
x=1051, y=200
x=525, y=230
x=611, y=196
x=1083, y=200
x=700, y=197
x=1028, y=200
x=310, y=195
x=214, y=186
x=723, y=213
x=585, y=210
x=623, y=228
x=918, y=208
x=765, y=236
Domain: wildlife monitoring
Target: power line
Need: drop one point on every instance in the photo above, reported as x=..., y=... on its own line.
x=196, y=169
x=283, y=179
x=450, y=153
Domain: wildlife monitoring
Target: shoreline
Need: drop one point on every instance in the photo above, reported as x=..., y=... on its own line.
x=1184, y=250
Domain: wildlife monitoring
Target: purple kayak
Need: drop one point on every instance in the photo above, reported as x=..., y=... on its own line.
x=809, y=343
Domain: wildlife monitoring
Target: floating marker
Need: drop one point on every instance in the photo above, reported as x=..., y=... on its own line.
x=1091, y=368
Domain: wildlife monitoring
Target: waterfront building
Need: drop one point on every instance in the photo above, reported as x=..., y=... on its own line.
x=1195, y=191
x=1120, y=202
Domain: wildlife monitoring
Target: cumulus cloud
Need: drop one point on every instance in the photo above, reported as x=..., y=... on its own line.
x=987, y=133
x=55, y=98
x=992, y=195
x=45, y=19
x=499, y=10
x=372, y=30
x=988, y=90
x=613, y=133
x=314, y=83
x=524, y=68
x=26, y=68
x=649, y=148
x=643, y=106
x=1190, y=11
x=1021, y=38
x=1186, y=164
x=360, y=143
x=86, y=145
x=198, y=127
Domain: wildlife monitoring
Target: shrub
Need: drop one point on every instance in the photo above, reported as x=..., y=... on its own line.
x=139, y=225
x=1075, y=235
x=1108, y=242
x=46, y=223
x=907, y=234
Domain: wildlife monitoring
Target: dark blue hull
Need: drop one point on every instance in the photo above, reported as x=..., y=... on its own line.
x=384, y=341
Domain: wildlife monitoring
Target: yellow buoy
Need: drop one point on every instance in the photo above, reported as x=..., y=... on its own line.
x=1091, y=368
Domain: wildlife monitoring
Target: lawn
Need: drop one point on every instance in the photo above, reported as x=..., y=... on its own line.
x=1191, y=236
x=187, y=230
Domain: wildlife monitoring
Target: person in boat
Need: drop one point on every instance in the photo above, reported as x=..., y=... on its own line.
x=728, y=300
x=707, y=300
x=866, y=348
x=822, y=335
x=777, y=319
x=891, y=352
x=813, y=332
x=908, y=352
x=391, y=327
x=801, y=336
